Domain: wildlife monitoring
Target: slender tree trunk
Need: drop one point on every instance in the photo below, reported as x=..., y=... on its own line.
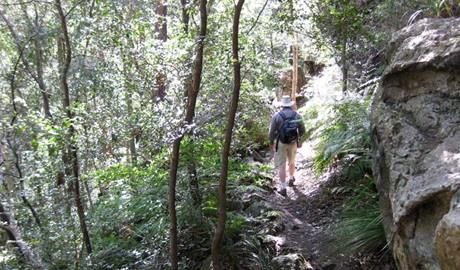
x=193, y=178
x=190, y=113
x=22, y=184
x=39, y=64
x=38, y=75
x=7, y=221
x=295, y=57
x=162, y=33
x=132, y=155
x=174, y=250
x=185, y=15
x=15, y=151
x=215, y=249
x=65, y=60
x=194, y=184
x=88, y=155
x=344, y=66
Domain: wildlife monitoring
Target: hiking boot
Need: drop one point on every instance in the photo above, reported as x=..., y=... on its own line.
x=291, y=182
x=283, y=192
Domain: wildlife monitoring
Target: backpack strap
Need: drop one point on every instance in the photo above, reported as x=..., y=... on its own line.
x=282, y=115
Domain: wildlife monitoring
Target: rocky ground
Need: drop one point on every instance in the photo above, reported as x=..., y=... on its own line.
x=308, y=215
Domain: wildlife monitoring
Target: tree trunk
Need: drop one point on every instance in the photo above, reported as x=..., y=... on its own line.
x=132, y=153
x=9, y=225
x=190, y=113
x=344, y=66
x=39, y=64
x=185, y=15
x=194, y=184
x=38, y=74
x=16, y=155
x=22, y=184
x=172, y=204
x=162, y=33
x=295, y=80
x=215, y=249
x=193, y=178
x=65, y=60
x=7, y=221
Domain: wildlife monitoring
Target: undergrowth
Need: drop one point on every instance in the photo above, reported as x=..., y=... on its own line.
x=359, y=228
x=344, y=151
x=345, y=143
x=132, y=213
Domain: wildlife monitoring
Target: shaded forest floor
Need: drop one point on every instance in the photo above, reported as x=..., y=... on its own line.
x=310, y=210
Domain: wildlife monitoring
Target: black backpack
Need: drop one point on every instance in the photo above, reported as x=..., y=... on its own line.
x=289, y=131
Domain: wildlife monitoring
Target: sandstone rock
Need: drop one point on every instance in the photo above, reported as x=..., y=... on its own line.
x=447, y=240
x=416, y=143
x=259, y=208
x=285, y=80
x=291, y=262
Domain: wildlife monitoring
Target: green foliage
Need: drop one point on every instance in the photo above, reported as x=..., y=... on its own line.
x=196, y=232
x=310, y=116
x=360, y=230
x=248, y=253
x=338, y=19
x=432, y=9
x=251, y=127
x=340, y=24
x=346, y=141
x=391, y=15
x=130, y=216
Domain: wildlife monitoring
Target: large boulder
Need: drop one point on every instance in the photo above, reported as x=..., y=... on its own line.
x=416, y=145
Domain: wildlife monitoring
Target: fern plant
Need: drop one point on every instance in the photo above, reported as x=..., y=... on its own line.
x=346, y=142
x=360, y=230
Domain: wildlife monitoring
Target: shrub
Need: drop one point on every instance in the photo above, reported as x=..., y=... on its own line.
x=360, y=230
x=346, y=142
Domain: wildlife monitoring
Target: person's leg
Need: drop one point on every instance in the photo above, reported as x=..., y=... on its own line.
x=280, y=164
x=291, y=170
x=282, y=174
x=292, y=151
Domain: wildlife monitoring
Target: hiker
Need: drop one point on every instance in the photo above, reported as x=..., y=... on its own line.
x=285, y=151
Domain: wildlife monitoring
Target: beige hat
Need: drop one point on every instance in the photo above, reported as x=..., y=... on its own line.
x=286, y=101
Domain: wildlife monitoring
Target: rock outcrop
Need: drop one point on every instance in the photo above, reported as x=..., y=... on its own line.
x=416, y=145
x=284, y=78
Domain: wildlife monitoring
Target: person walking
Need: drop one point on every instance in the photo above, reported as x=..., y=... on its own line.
x=285, y=152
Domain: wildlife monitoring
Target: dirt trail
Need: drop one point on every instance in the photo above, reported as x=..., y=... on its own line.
x=305, y=217
x=308, y=216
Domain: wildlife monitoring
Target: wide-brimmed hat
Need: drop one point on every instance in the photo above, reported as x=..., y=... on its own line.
x=286, y=101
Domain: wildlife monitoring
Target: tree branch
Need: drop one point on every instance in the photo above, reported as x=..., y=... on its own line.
x=257, y=19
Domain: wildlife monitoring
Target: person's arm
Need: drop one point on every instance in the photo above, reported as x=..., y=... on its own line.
x=272, y=133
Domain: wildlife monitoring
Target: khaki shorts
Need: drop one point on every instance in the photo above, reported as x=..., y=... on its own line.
x=286, y=152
